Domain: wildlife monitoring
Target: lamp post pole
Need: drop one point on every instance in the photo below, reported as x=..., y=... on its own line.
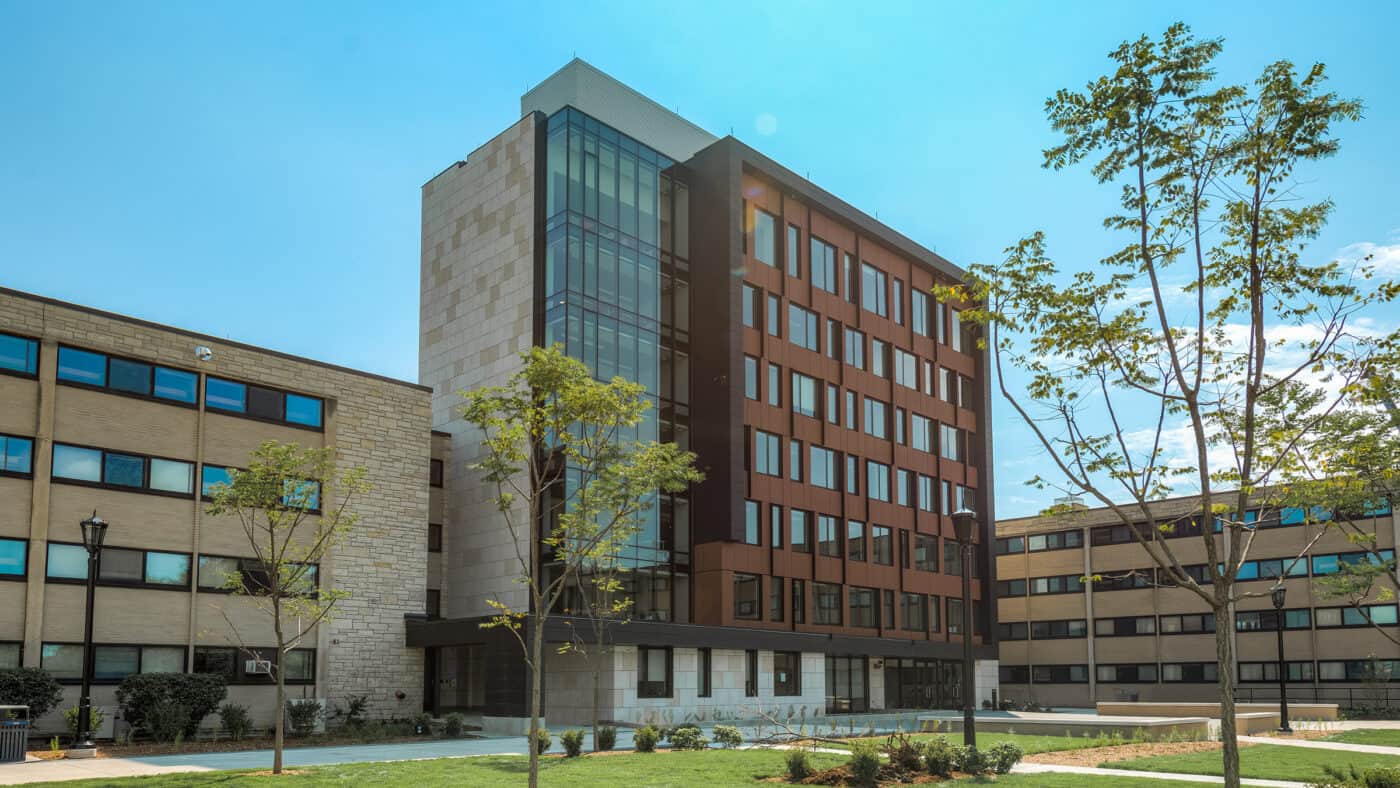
x=1278, y=593
x=94, y=531
x=964, y=521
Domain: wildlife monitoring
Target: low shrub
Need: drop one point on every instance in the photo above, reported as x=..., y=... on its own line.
x=96, y=717
x=454, y=725
x=864, y=762
x=32, y=687
x=1359, y=778
x=728, y=736
x=199, y=693
x=644, y=738
x=939, y=756
x=302, y=716
x=969, y=760
x=423, y=724
x=903, y=753
x=573, y=743
x=543, y=741
x=167, y=721
x=236, y=720
x=798, y=767
x=688, y=737
x=607, y=738
x=1001, y=757
x=354, y=712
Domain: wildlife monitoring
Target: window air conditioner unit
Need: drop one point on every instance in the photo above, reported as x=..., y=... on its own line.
x=255, y=667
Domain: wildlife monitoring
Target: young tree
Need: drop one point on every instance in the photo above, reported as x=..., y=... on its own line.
x=569, y=485
x=293, y=508
x=1204, y=347
x=600, y=599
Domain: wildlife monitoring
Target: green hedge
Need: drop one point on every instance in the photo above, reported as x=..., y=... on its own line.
x=201, y=693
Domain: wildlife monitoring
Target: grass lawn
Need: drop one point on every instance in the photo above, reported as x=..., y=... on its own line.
x=1381, y=737
x=1264, y=761
x=1030, y=744
x=1071, y=781
x=661, y=769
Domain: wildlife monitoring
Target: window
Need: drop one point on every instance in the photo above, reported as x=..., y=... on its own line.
x=913, y=613
x=766, y=452
x=903, y=487
x=927, y=502
x=833, y=338
x=876, y=418
x=1010, y=544
x=918, y=311
x=9, y=653
x=751, y=673
x=800, y=541
x=828, y=603
x=1060, y=674
x=704, y=667
x=823, y=264
x=775, y=525
x=213, y=475
x=433, y=603
x=849, y=269
x=803, y=326
x=1011, y=588
x=16, y=455
x=804, y=395
x=751, y=377
x=852, y=474
x=1125, y=626
x=887, y=608
x=881, y=545
x=898, y=302
x=749, y=297
x=1059, y=630
x=955, y=615
x=855, y=540
x=73, y=462
x=1189, y=624
x=746, y=596
x=1335, y=617
x=794, y=254
x=822, y=468
x=774, y=315
x=81, y=366
x=899, y=421
x=1056, y=584
x=435, y=473
x=872, y=290
x=304, y=410
x=1127, y=674
x=855, y=348
x=955, y=330
x=952, y=442
x=799, y=602
x=172, y=476
x=877, y=480
x=1370, y=671
x=64, y=661
x=751, y=525
x=1015, y=630
x=945, y=384
x=833, y=404
x=19, y=355
x=14, y=558
x=850, y=409
x=879, y=356
x=921, y=433
x=1189, y=672
x=862, y=602
x=434, y=538
x=1061, y=540
x=775, y=599
x=765, y=237
x=1268, y=671
x=926, y=552
x=828, y=541
x=906, y=369
x=222, y=573
x=653, y=672
x=775, y=385
x=795, y=460
x=1330, y=564
x=262, y=403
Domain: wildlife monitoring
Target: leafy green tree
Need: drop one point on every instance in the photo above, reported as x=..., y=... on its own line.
x=1205, y=347
x=294, y=508
x=569, y=484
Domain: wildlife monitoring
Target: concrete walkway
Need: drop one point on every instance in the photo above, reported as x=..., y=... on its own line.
x=1371, y=749
x=1043, y=768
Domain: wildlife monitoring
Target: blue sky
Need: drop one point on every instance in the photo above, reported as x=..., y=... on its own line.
x=251, y=170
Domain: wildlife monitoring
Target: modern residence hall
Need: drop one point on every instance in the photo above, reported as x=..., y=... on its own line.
x=104, y=412
x=786, y=337
x=1121, y=637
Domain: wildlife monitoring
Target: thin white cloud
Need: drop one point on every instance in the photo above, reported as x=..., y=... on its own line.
x=1384, y=258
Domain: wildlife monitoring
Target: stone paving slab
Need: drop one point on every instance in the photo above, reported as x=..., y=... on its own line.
x=85, y=769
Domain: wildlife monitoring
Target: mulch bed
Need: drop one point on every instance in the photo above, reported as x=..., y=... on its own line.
x=1093, y=756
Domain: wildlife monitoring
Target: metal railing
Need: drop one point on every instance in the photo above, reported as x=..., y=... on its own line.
x=1346, y=697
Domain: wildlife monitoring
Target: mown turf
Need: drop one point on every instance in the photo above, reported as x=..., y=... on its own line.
x=1381, y=737
x=1030, y=744
x=1264, y=761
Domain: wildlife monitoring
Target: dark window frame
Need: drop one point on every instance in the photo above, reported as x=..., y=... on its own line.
x=29, y=474
x=144, y=489
x=667, y=689
x=37, y=350
x=106, y=387
x=241, y=656
x=792, y=687
x=435, y=537
x=704, y=667
x=110, y=583
x=23, y=576
x=140, y=655
x=247, y=404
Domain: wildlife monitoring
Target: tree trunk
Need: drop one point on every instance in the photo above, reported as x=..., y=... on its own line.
x=277, y=730
x=536, y=670
x=1224, y=653
x=597, y=695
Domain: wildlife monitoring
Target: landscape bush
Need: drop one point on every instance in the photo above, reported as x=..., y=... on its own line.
x=939, y=756
x=32, y=687
x=573, y=743
x=1380, y=777
x=728, y=736
x=167, y=721
x=798, y=767
x=903, y=753
x=969, y=760
x=644, y=738
x=688, y=737
x=454, y=725
x=96, y=716
x=607, y=738
x=1001, y=757
x=865, y=762
x=236, y=720
x=302, y=716
x=543, y=741
x=199, y=693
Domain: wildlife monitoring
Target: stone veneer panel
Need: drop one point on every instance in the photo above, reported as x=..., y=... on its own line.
x=373, y=422
x=477, y=314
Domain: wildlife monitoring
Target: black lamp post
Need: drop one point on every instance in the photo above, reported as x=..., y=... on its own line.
x=94, y=531
x=964, y=524
x=1278, y=592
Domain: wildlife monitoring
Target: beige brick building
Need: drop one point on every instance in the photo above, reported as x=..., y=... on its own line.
x=1123, y=636
x=109, y=413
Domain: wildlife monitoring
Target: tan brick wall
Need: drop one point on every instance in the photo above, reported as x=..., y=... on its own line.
x=477, y=314
x=379, y=424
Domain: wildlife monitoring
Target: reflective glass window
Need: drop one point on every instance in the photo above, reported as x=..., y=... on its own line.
x=73, y=462
x=80, y=366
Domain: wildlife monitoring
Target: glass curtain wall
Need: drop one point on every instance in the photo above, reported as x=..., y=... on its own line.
x=617, y=297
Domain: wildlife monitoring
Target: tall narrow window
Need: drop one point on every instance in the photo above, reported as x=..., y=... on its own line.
x=751, y=525
x=873, y=284
x=855, y=348
x=767, y=454
x=775, y=385
x=746, y=596
x=751, y=673
x=823, y=264
x=775, y=525
x=898, y=302
x=848, y=266
x=804, y=395
x=751, y=377
x=799, y=602
x=704, y=666
x=794, y=253
x=801, y=542
x=750, y=303
x=795, y=459
x=918, y=311
x=653, y=672
x=765, y=237
x=774, y=317
x=787, y=673
x=776, y=607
